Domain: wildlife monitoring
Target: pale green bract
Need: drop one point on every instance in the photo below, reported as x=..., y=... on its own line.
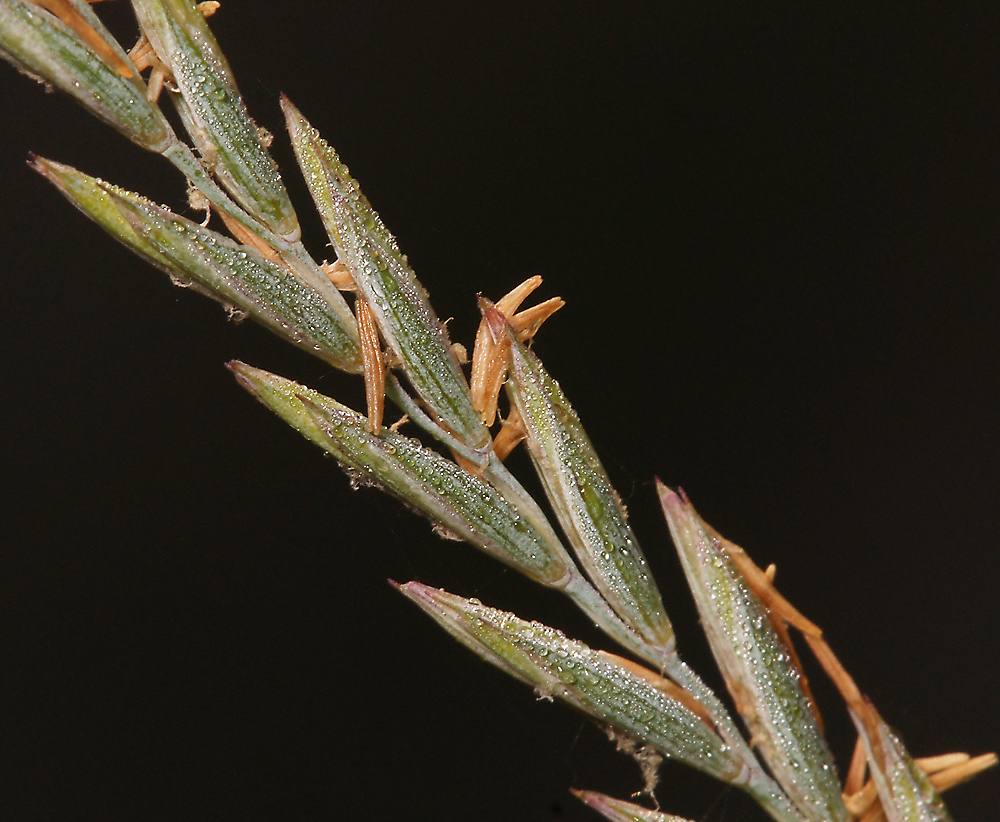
x=42, y=45
x=194, y=256
x=588, y=680
x=408, y=324
x=454, y=499
x=214, y=114
x=264, y=271
x=587, y=506
x=758, y=669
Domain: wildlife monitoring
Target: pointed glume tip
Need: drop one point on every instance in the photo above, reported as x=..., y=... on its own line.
x=236, y=369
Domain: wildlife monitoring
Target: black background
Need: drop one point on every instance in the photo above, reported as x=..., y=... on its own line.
x=775, y=228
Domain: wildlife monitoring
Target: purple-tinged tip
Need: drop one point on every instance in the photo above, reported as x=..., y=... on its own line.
x=47, y=168
x=432, y=600
x=590, y=798
x=294, y=121
x=669, y=498
x=496, y=322
x=241, y=370
x=413, y=589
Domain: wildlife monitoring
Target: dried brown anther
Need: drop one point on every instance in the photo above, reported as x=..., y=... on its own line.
x=373, y=362
x=489, y=355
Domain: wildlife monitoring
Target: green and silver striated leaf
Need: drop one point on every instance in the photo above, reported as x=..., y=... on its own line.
x=591, y=681
x=40, y=44
x=402, y=311
x=906, y=793
x=451, y=497
x=758, y=669
x=231, y=273
x=213, y=111
x=586, y=504
x=618, y=810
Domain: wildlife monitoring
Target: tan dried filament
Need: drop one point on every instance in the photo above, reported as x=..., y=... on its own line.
x=374, y=364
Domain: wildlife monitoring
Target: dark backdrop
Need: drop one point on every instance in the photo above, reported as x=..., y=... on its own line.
x=775, y=228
